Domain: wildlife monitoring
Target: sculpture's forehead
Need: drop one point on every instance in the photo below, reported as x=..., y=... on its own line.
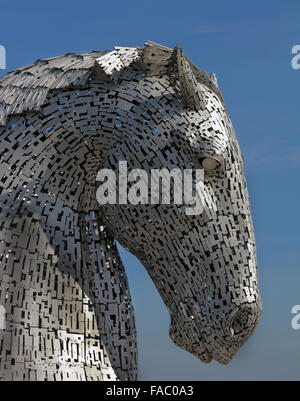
x=158, y=99
x=212, y=118
x=210, y=128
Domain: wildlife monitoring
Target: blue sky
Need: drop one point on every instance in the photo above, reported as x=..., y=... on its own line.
x=248, y=45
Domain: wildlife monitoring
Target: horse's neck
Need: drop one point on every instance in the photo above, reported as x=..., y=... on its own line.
x=64, y=264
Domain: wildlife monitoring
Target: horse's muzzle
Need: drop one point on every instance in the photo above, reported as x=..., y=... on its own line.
x=218, y=340
x=236, y=329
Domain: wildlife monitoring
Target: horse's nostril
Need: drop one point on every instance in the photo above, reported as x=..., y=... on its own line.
x=240, y=322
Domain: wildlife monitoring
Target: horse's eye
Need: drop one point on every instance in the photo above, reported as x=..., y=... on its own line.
x=209, y=163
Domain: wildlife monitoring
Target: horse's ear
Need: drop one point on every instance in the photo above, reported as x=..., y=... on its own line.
x=160, y=60
x=190, y=90
x=214, y=79
x=156, y=59
x=110, y=66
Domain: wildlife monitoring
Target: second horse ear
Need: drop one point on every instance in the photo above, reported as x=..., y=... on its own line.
x=190, y=90
x=155, y=58
x=109, y=67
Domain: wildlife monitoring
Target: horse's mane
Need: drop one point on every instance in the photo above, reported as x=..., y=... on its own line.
x=25, y=89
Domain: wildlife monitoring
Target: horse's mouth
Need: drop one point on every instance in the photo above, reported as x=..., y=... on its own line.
x=206, y=356
x=223, y=360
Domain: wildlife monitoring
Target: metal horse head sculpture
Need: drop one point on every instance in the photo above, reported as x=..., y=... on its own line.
x=68, y=308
